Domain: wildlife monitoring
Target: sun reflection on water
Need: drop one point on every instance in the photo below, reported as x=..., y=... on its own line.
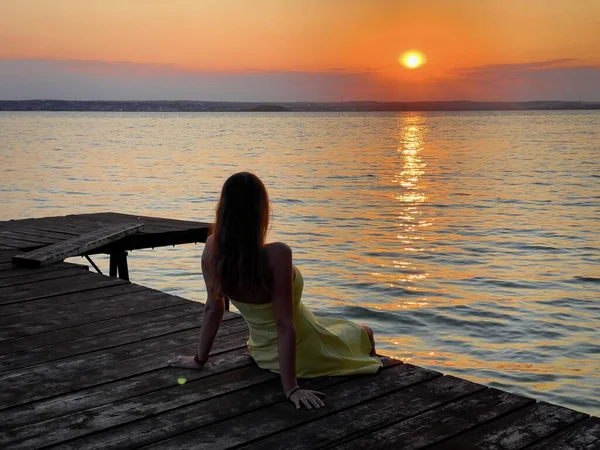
x=410, y=192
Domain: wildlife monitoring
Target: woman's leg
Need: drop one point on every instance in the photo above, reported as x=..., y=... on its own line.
x=371, y=338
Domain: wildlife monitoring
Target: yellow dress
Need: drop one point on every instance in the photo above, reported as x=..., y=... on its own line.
x=324, y=346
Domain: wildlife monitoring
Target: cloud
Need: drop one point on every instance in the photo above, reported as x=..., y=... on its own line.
x=95, y=80
x=559, y=79
x=506, y=69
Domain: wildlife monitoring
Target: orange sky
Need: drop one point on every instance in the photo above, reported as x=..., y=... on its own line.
x=304, y=35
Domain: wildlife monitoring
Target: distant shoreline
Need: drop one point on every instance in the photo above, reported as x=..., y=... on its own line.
x=368, y=106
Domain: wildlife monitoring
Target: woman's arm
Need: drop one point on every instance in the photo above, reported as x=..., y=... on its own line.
x=213, y=310
x=280, y=262
x=211, y=319
x=280, y=265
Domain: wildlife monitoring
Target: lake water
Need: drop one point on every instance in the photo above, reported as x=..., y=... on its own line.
x=468, y=241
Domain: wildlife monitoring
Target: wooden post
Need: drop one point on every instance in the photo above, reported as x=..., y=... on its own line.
x=118, y=265
x=123, y=269
x=113, y=264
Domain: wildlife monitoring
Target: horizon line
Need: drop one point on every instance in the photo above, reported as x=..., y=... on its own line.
x=267, y=102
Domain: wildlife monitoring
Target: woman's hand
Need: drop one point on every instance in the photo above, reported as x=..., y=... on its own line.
x=309, y=399
x=186, y=362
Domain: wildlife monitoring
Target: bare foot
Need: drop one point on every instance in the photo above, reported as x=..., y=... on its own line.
x=371, y=338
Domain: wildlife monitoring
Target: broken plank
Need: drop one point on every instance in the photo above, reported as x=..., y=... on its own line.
x=76, y=246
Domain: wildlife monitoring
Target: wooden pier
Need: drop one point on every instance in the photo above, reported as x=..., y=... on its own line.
x=83, y=365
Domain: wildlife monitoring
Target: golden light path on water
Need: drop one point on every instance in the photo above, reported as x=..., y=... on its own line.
x=468, y=241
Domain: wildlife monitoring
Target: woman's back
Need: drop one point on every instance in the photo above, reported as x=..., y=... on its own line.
x=324, y=346
x=262, y=294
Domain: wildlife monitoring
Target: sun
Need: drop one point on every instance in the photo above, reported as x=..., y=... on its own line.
x=412, y=59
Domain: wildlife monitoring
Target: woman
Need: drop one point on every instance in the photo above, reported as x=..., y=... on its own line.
x=264, y=285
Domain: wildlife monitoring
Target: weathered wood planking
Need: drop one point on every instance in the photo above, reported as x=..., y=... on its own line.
x=39, y=240
x=48, y=288
x=15, y=338
x=450, y=419
x=115, y=392
x=84, y=364
x=185, y=320
x=371, y=415
x=76, y=246
x=47, y=304
x=12, y=271
x=582, y=435
x=104, y=383
x=35, y=276
x=517, y=429
x=158, y=232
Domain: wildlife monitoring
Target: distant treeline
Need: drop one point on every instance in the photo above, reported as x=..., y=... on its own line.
x=196, y=106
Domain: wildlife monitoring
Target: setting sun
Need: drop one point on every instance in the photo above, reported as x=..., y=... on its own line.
x=412, y=59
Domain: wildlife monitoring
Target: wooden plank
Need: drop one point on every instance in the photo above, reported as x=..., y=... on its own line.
x=18, y=244
x=76, y=246
x=39, y=240
x=54, y=352
x=60, y=224
x=72, y=315
x=34, y=277
x=228, y=354
x=49, y=288
x=159, y=222
x=45, y=226
x=442, y=422
x=55, y=371
x=57, y=430
x=145, y=240
x=14, y=271
x=150, y=310
x=6, y=255
x=371, y=415
x=516, y=430
x=177, y=421
x=159, y=402
x=57, y=236
x=582, y=435
x=47, y=305
x=255, y=425
x=104, y=220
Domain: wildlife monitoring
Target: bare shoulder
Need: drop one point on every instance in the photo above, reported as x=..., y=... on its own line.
x=278, y=253
x=207, y=247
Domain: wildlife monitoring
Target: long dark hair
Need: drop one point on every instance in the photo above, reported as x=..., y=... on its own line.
x=239, y=234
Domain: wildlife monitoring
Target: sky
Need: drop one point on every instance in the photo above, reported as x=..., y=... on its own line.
x=299, y=50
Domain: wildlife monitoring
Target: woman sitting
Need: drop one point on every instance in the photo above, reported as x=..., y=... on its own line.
x=263, y=284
